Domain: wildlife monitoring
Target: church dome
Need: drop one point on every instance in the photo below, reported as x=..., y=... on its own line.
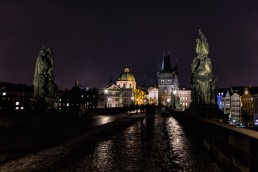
x=126, y=76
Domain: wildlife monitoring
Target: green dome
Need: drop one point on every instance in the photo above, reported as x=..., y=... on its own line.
x=126, y=76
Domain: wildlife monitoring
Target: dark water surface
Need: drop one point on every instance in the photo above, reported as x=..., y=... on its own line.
x=157, y=144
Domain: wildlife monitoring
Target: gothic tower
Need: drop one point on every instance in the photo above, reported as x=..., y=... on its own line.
x=167, y=79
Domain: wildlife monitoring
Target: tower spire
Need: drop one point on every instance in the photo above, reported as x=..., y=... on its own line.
x=166, y=65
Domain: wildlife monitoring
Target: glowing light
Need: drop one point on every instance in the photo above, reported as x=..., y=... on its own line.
x=16, y=108
x=67, y=104
x=17, y=103
x=104, y=120
x=4, y=93
x=22, y=108
x=105, y=91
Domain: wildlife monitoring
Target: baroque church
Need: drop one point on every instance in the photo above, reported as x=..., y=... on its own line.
x=167, y=81
x=122, y=93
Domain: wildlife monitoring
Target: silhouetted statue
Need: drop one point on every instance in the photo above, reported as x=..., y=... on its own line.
x=203, y=81
x=43, y=83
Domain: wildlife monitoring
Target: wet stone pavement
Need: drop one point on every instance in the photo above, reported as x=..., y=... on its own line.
x=157, y=144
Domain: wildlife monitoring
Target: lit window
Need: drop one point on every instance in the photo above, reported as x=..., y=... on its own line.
x=4, y=93
x=22, y=108
x=17, y=103
x=17, y=108
x=81, y=95
x=67, y=104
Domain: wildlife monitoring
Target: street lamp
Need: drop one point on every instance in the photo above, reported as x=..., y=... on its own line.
x=105, y=91
x=174, y=97
x=132, y=100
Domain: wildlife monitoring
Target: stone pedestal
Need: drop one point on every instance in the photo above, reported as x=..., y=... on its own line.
x=207, y=111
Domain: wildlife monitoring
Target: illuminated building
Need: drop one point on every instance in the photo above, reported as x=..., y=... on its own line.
x=225, y=104
x=240, y=104
x=109, y=97
x=126, y=82
x=184, y=97
x=15, y=97
x=78, y=98
x=235, y=109
x=167, y=78
x=139, y=97
x=121, y=94
x=247, y=107
x=152, y=96
x=255, y=97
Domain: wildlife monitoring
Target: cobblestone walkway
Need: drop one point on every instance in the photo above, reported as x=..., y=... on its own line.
x=159, y=144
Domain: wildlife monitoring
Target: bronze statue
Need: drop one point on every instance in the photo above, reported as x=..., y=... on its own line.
x=202, y=80
x=43, y=83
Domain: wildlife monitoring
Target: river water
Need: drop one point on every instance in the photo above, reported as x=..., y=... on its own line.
x=157, y=144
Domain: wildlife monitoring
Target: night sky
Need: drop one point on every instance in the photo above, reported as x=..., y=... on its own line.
x=94, y=40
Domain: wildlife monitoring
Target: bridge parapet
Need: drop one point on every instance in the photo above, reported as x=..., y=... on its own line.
x=235, y=149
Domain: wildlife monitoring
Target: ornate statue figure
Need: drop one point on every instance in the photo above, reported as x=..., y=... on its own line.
x=202, y=80
x=43, y=83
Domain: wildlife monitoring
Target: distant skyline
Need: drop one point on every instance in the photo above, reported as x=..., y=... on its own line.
x=93, y=41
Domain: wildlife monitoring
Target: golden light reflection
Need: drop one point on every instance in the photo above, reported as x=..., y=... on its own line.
x=105, y=120
x=176, y=135
x=103, y=155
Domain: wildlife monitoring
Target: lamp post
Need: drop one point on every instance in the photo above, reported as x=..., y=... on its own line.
x=105, y=91
x=132, y=98
x=174, y=98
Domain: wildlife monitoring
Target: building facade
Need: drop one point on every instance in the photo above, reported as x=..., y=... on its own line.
x=184, y=97
x=121, y=94
x=15, y=97
x=110, y=97
x=152, y=97
x=235, y=108
x=225, y=104
x=247, y=107
x=167, y=80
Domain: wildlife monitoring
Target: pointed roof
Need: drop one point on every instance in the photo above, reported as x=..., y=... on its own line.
x=166, y=65
x=113, y=87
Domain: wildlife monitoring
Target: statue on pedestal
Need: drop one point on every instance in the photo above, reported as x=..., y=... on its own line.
x=43, y=83
x=203, y=81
